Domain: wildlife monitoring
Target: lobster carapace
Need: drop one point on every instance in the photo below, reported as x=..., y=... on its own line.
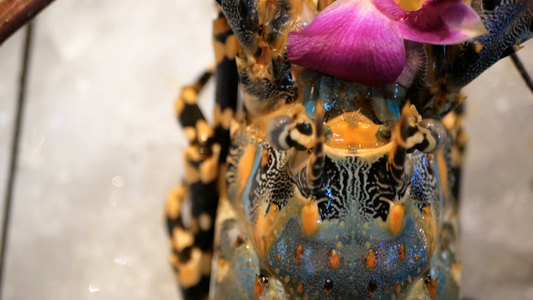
x=308, y=186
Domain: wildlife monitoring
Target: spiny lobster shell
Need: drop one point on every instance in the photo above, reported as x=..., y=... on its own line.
x=300, y=216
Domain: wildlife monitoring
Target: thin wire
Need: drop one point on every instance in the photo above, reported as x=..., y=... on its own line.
x=14, y=150
x=523, y=72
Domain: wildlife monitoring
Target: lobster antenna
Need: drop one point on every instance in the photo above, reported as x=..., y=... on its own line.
x=523, y=72
x=316, y=162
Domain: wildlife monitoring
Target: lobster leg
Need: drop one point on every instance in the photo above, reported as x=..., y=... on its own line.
x=191, y=207
x=522, y=70
x=226, y=47
x=261, y=28
x=509, y=23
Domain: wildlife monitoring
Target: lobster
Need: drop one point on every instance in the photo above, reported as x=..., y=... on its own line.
x=315, y=187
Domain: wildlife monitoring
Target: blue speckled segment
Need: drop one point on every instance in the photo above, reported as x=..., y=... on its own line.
x=242, y=264
x=352, y=275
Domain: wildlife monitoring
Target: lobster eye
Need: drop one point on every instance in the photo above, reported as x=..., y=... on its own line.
x=283, y=133
x=278, y=132
x=438, y=134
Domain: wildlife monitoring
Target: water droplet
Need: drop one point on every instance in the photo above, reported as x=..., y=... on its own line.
x=118, y=181
x=93, y=288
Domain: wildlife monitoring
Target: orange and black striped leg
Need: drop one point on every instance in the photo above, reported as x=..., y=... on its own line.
x=261, y=28
x=191, y=207
x=226, y=47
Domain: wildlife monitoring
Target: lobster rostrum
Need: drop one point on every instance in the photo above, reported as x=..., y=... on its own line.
x=318, y=185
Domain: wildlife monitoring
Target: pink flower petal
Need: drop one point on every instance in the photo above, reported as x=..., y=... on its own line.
x=442, y=22
x=352, y=40
x=390, y=9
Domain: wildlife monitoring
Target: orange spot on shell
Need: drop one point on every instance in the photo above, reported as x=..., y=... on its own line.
x=395, y=218
x=402, y=252
x=398, y=287
x=299, y=252
x=264, y=157
x=300, y=287
x=370, y=260
x=416, y=257
x=273, y=212
x=278, y=256
x=259, y=287
x=426, y=211
x=334, y=260
x=310, y=218
x=432, y=288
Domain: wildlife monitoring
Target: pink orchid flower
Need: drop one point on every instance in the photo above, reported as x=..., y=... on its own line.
x=363, y=40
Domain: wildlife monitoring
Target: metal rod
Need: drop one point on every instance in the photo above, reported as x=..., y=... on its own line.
x=15, y=13
x=523, y=72
x=22, y=86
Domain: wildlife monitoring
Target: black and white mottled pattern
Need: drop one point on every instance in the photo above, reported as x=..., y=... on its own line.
x=354, y=180
x=280, y=84
x=347, y=182
x=509, y=23
x=273, y=182
x=243, y=18
x=424, y=184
